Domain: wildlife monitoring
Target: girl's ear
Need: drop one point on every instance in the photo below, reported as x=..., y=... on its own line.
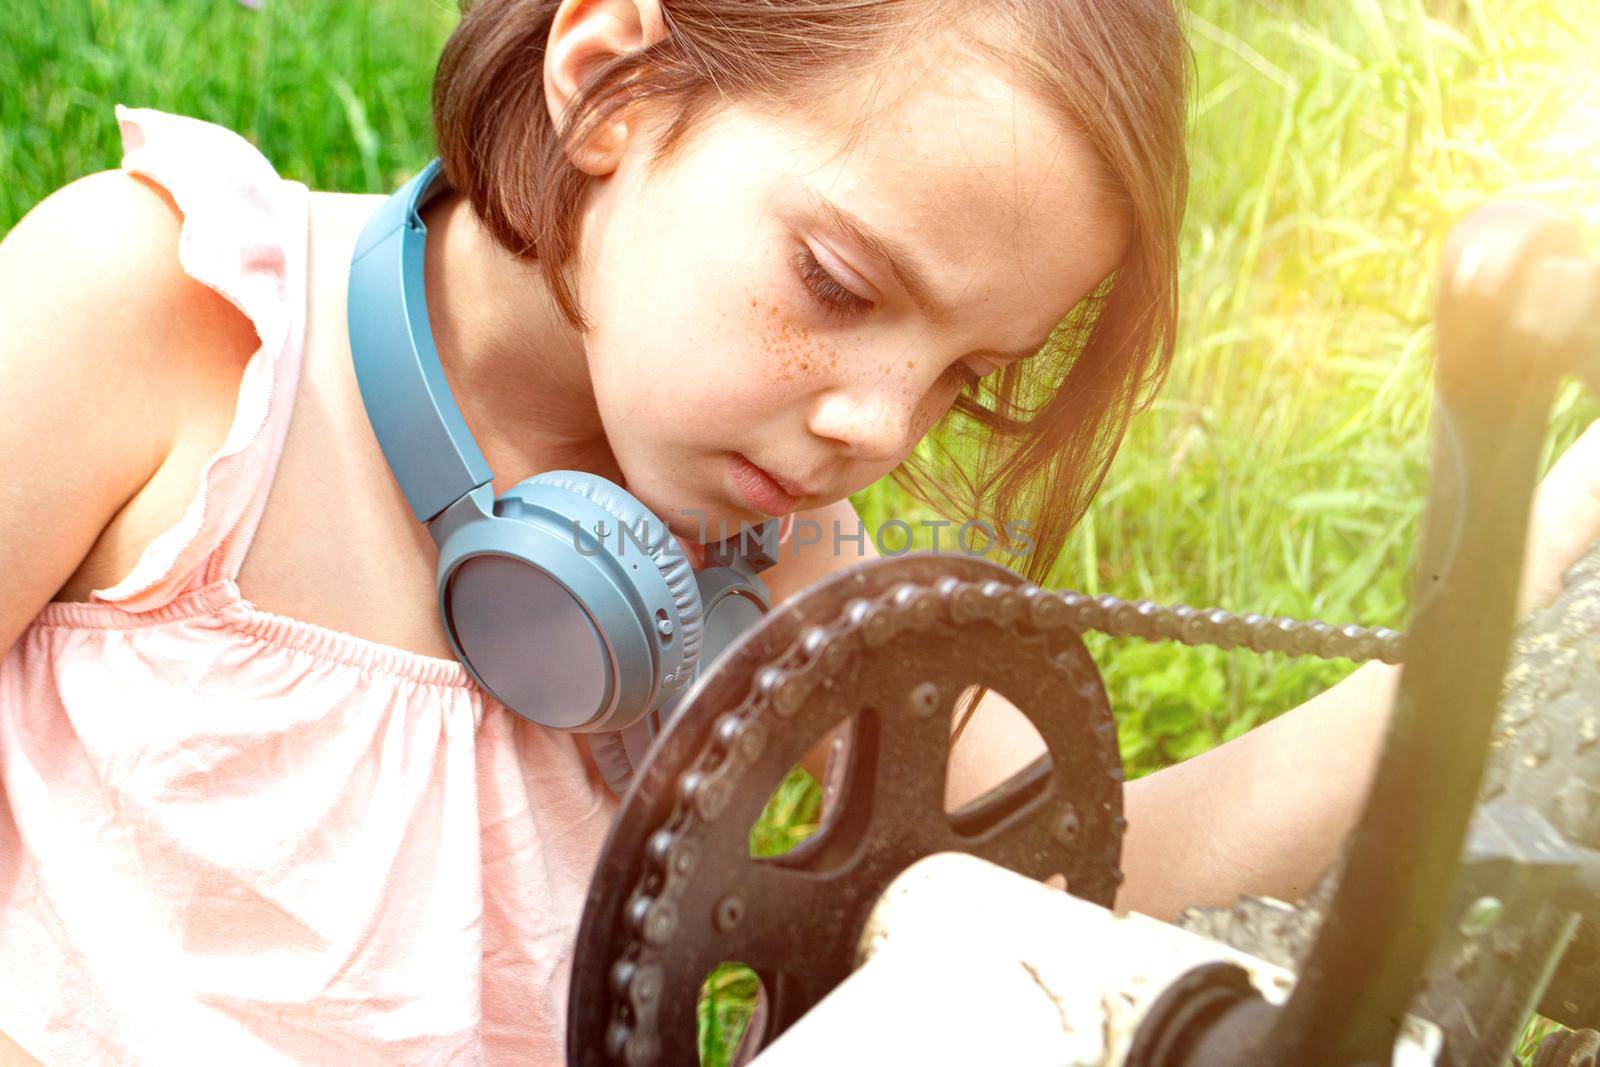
x=584, y=36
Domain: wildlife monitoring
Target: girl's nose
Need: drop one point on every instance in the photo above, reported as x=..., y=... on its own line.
x=875, y=420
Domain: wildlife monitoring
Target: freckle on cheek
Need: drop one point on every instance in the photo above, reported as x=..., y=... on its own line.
x=796, y=352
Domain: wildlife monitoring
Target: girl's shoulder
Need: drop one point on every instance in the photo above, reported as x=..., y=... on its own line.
x=97, y=260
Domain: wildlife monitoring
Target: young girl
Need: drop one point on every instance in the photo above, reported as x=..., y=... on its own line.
x=250, y=806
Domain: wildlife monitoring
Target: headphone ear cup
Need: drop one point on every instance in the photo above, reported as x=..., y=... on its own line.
x=529, y=640
x=659, y=544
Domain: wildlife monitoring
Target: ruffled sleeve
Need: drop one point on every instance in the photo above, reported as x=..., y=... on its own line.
x=244, y=234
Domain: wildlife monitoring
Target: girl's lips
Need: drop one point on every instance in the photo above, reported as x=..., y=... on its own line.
x=757, y=489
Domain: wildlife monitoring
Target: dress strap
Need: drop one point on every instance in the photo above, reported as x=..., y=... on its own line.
x=244, y=234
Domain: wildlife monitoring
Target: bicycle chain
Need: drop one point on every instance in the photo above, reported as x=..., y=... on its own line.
x=737, y=737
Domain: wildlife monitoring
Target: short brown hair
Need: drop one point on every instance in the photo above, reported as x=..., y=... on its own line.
x=1116, y=71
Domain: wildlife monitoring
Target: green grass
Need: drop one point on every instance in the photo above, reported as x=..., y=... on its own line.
x=335, y=94
x=1281, y=469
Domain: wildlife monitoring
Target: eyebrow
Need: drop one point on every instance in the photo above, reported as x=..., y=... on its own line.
x=900, y=261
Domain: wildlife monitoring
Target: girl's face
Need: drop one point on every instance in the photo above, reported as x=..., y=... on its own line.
x=815, y=305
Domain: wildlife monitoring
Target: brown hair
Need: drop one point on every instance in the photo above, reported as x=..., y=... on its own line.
x=1117, y=72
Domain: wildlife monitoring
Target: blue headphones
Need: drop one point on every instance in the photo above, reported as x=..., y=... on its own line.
x=565, y=598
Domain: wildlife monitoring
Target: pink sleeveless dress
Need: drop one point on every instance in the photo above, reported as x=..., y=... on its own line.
x=234, y=836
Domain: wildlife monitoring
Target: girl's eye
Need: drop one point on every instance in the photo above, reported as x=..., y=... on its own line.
x=831, y=296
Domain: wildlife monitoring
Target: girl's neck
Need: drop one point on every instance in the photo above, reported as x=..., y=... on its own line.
x=515, y=365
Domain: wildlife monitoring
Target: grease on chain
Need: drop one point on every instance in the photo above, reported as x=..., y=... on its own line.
x=738, y=736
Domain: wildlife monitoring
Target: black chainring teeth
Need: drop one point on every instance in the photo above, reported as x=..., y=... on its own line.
x=889, y=645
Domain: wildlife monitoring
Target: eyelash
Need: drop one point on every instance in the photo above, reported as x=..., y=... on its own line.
x=964, y=375
x=837, y=301
x=833, y=298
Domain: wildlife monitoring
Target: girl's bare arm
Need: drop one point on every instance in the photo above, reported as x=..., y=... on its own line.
x=98, y=322
x=11, y=1055
x=1264, y=813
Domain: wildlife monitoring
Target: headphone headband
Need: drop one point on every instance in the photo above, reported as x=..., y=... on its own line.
x=416, y=419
